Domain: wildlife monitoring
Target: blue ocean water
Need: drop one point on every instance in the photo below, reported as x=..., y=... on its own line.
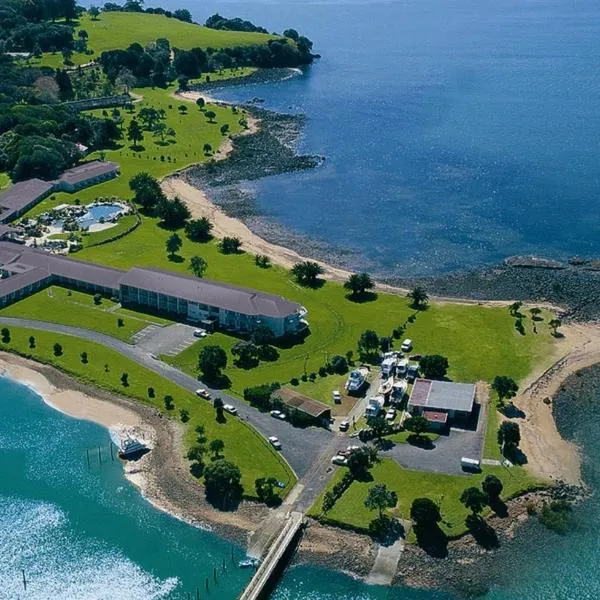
x=456, y=132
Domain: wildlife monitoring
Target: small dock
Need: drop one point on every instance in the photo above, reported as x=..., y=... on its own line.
x=259, y=586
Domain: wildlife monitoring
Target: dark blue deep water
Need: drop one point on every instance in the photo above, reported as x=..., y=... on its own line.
x=456, y=132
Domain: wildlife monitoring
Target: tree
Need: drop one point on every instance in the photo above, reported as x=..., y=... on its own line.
x=224, y=129
x=5, y=335
x=328, y=502
x=182, y=108
x=146, y=190
x=291, y=33
x=125, y=80
x=259, y=395
x=94, y=11
x=554, y=324
x=230, y=245
x=198, y=266
x=339, y=364
x=198, y=230
x=58, y=349
x=182, y=14
x=160, y=130
x=307, y=272
x=434, y=366
x=425, y=513
x=216, y=447
x=379, y=497
x=360, y=461
x=173, y=244
x=84, y=357
x=97, y=299
x=211, y=361
x=509, y=435
x=419, y=297
x=200, y=435
x=505, y=387
x=474, y=499
x=210, y=115
x=134, y=133
x=246, y=353
x=265, y=490
x=514, y=308
x=173, y=213
x=262, y=335
x=417, y=425
x=262, y=261
x=184, y=415
x=368, y=343
x=218, y=405
x=125, y=379
x=358, y=283
x=200, y=102
x=535, y=313
x=169, y=402
x=31, y=341
x=222, y=483
x=196, y=454
x=379, y=425
x=207, y=148
x=492, y=487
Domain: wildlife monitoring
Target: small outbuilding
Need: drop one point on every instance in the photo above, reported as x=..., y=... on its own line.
x=303, y=409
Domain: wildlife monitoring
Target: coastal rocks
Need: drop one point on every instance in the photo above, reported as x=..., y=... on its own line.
x=575, y=287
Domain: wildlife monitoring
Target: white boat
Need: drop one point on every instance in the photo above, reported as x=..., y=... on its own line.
x=249, y=563
x=356, y=379
x=130, y=446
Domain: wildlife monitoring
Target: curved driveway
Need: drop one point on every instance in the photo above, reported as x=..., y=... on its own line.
x=300, y=447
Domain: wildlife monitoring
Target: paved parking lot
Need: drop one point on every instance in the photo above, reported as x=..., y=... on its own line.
x=445, y=453
x=169, y=340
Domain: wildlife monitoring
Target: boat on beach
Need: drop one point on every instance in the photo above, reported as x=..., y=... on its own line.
x=130, y=446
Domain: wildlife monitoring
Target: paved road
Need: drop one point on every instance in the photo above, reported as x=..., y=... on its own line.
x=301, y=447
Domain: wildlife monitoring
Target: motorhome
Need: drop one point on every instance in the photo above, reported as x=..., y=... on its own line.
x=402, y=367
x=374, y=406
x=388, y=365
x=356, y=380
x=470, y=464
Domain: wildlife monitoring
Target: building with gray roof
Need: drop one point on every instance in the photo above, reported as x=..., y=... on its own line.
x=24, y=195
x=25, y=270
x=441, y=401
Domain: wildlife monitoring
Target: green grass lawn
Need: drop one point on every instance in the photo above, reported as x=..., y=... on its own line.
x=192, y=131
x=68, y=307
x=99, y=237
x=5, y=182
x=118, y=30
x=243, y=445
x=442, y=489
x=225, y=74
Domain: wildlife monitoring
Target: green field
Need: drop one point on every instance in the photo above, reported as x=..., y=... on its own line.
x=118, y=30
x=5, y=182
x=192, y=131
x=442, y=489
x=67, y=307
x=243, y=445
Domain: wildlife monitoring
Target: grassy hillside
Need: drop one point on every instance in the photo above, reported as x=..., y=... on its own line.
x=157, y=158
x=118, y=30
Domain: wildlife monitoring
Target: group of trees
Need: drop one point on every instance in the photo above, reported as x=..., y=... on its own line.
x=216, y=21
x=182, y=14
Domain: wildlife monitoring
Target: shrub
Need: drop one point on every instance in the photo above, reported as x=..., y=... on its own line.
x=294, y=381
x=322, y=371
x=97, y=299
x=184, y=415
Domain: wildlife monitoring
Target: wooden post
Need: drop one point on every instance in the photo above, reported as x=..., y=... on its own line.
x=112, y=458
x=87, y=453
x=99, y=455
x=24, y=580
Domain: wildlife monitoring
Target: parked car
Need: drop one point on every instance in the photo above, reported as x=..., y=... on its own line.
x=278, y=414
x=232, y=410
x=203, y=393
x=200, y=333
x=344, y=425
x=390, y=415
x=406, y=345
x=339, y=460
x=274, y=441
x=337, y=397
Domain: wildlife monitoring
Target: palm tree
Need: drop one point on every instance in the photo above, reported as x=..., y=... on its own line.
x=358, y=283
x=419, y=297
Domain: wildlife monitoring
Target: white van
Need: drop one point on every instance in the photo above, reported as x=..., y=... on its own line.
x=470, y=464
